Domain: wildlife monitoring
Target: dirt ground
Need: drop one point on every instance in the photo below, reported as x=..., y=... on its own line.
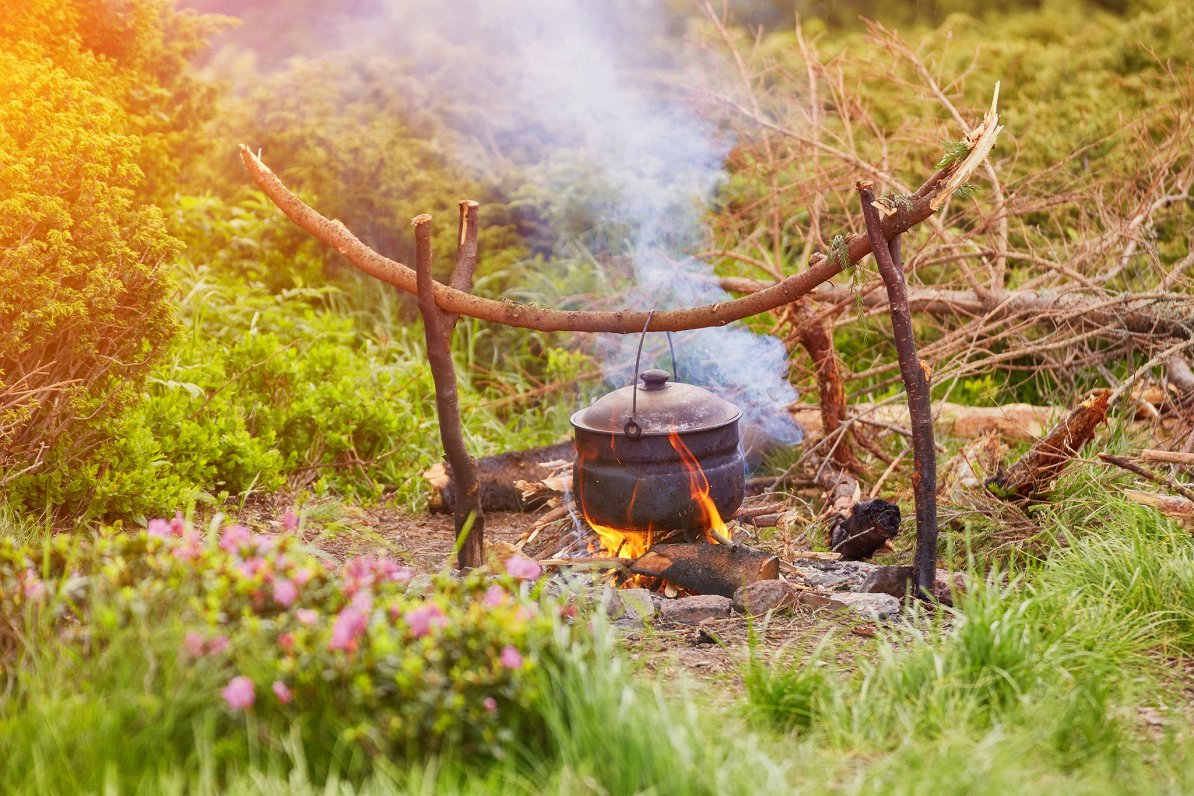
x=713, y=652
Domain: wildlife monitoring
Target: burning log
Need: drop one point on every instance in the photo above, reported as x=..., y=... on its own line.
x=707, y=568
x=1037, y=469
x=499, y=476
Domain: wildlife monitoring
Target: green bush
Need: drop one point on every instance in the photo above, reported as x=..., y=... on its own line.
x=93, y=102
x=340, y=654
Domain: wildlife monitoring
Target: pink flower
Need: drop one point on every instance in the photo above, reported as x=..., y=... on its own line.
x=239, y=693
x=178, y=525
x=33, y=586
x=424, y=619
x=290, y=520
x=303, y=575
x=285, y=592
x=283, y=693
x=234, y=537
x=217, y=645
x=307, y=616
x=349, y=625
x=249, y=568
x=160, y=529
x=523, y=568
x=511, y=658
x=495, y=595
x=286, y=641
x=190, y=548
x=490, y=704
x=193, y=644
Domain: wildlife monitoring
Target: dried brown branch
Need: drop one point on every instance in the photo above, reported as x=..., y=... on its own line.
x=470, y=521
x=916, y=383
x=821, y=268
x=1037, y=468
x=1144, y=472
x=1155, y=315
x=815, y=338
x=466, y=254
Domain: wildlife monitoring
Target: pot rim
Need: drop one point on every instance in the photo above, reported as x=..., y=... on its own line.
x=579, y=426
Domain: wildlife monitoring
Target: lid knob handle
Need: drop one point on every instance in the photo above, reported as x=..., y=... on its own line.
x=655, y=379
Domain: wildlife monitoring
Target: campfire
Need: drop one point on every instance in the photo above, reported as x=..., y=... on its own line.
x=657, y=468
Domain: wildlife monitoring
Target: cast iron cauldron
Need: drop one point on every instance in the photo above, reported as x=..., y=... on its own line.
x=629, y=476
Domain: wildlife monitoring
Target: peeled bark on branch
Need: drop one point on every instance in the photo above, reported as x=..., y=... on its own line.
x=466, y=254
x=821, y=268
x=1045, y=460
x=437, y=332
x=815, y=338
x=916, y=383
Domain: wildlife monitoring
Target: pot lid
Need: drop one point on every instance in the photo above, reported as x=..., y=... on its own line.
x=663, y=406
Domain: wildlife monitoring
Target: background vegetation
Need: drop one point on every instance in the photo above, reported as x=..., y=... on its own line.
x=168, y=340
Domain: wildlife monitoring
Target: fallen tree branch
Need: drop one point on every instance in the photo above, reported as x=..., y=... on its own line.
x=1160, y=315
x=1045, y=460
x=821, y=268
x=1153, y=456
x=916, y=384
x=1176, y=508
x=1147, y=474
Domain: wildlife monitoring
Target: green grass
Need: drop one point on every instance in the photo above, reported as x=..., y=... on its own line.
x=1034, y=683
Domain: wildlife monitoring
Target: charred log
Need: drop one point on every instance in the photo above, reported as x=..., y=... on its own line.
x=704, y=568
x=868, y=528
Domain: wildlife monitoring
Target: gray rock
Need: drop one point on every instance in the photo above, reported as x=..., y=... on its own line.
x=888, y=580
x=872, y=606
x=776, y=595
x=896, y=581
x=694, y=610
x=833, y=575
x=635, y=603
x=420, y=586
x=765, y=595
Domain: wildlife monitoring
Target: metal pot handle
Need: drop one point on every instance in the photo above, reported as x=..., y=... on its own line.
x=632, y=428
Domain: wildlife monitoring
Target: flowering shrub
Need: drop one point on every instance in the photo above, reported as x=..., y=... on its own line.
x=341, y=650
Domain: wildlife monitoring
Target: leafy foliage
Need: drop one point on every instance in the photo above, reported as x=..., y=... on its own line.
x=344, y=655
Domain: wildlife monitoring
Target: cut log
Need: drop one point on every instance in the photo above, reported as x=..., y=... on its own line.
x=704, y=568
x=1176, y=508
x=1010, y=421
x=499, y=475
x=1037, y=469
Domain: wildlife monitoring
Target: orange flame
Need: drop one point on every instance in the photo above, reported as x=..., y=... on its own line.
x=630, y=543
x=698, y=485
